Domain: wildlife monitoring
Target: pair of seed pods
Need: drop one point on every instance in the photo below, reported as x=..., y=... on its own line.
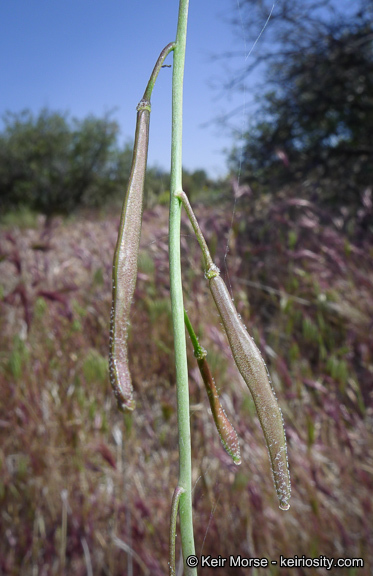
x=250, y=364
x=245, y=353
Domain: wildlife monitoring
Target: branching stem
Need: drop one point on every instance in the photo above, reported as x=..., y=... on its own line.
x=197, y=230
x=158, y=65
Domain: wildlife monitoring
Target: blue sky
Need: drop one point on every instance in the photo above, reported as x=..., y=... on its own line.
x=93, y=56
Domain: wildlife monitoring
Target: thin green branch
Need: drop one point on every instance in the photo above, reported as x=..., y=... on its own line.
x=199, y=352
x=197, y=230
x=158, y=65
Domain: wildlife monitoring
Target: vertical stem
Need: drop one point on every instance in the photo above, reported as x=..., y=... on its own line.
x=185, y=462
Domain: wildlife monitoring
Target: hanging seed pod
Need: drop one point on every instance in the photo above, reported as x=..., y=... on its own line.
x=250, y=363
x=127, y=249
x=227, y=433
x=125, y=264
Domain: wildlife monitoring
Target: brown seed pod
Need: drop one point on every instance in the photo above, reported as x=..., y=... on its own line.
x=250, y=363
x=227, y=433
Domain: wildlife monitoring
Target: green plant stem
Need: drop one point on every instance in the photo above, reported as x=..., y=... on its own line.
x=158, y=65
x=185, y=459
x=209, y=264
x=174, y=509
x=199, y=352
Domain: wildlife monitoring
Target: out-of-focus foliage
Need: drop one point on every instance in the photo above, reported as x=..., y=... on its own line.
x=53, y=164
x=79, y=479
x=195, y=182
x=316, y=121
x=157, y=185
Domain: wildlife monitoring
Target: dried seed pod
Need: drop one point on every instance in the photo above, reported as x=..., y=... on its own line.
x=127, y=249
x=250, y=363
x=227, y=433
x=125, y=264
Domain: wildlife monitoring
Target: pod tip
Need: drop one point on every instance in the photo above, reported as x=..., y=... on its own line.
x=128, y=404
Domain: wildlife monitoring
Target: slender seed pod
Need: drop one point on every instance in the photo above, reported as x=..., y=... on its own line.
x=227, y=433
x=125, y=264
x=250, y=363
x=127, y=249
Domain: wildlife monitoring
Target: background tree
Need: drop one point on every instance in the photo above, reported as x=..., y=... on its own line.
x=52, y=164
x=316, y=120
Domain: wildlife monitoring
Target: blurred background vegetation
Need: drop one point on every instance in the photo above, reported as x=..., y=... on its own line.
x=315, y=103
x=86, y=490
x=55, y=165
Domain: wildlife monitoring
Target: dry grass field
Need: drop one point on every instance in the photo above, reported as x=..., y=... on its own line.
x=87, y=490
